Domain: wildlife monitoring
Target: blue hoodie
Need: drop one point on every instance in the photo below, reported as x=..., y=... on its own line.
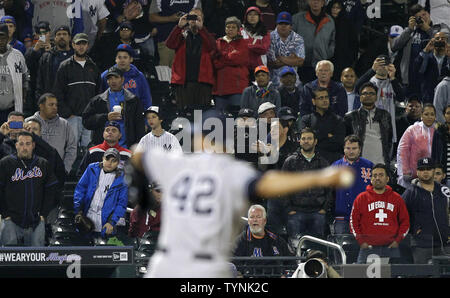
x=136, y=83
x=346, y=197
x=115, y=204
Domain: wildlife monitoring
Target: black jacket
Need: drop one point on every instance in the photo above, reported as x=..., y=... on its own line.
x=311, y=200
x=329, y=123
x=27, y=189
x=75, y=86
x=269, y=246
x=355, y=123
x=291, y=100
x=428, y=215
x=45, y=76
x=96, y=112
x=439, y=146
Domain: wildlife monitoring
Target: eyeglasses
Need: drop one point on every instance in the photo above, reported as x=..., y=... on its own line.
x=368, y=93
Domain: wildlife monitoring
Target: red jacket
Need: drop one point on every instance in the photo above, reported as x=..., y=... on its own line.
x=176, y=41
x=379, y=219
x=231, y=65
x=141, y=222
x=258, y=45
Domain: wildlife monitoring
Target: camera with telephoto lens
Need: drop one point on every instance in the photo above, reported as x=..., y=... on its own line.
x=419, y=20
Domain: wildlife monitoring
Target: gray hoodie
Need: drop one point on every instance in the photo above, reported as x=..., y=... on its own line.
x=251, y=100
x=442, y=98
x=59, y=135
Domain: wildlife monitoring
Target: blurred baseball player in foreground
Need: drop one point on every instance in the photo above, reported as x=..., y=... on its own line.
x=204, y=195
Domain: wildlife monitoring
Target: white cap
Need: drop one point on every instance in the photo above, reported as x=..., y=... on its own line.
x=395, y=31
x=265, y=106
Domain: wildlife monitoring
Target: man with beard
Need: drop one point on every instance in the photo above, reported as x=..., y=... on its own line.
x=77, y=81
x=379, y=219
x=372, y=125
x=27, y=185
x=306, y=210
x=345, y=197
x=427, y=203
x=257, y=241
x=431, y=65
x=49, y=62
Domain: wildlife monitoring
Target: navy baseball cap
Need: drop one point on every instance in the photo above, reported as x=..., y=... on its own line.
x=287, y=70
x=44, y=25
x=62, y=28
x=4, y=29
x=284, y=17
x=126, y=48
x=246, y=112
x=286, y=113
x=127, y=25
x=8, y=19
x=425, y=163
x=112, y=123
x=114, y=71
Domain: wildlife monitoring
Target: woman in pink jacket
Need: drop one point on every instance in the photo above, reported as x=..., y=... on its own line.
x=415, y=144
x=231, y=67
x=258, y=38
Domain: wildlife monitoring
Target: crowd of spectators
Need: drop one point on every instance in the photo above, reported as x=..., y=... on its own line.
x=82, y=82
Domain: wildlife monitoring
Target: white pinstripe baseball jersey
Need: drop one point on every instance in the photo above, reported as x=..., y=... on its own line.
x=203, y=196
x=166, y=141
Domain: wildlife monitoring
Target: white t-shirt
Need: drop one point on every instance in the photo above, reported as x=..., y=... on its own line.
x=203, y=196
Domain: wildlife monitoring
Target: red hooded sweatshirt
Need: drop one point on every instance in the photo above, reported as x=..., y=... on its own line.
x=379, y=219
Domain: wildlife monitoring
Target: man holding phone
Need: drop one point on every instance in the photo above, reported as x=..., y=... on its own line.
x=192, y=70
x=9, y=131
x=412, y=41
x=165, y=15
x=431, y=65
x=390, y=90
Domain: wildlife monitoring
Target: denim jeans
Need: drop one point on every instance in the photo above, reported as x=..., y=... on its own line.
x=82, y=135
x=306, y=223
x=12, y=234
x=381, y=251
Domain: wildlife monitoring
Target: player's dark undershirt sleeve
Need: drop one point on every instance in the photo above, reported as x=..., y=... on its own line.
x=251, y=188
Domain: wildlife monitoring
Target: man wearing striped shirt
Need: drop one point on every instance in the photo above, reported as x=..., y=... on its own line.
x=158, y=137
